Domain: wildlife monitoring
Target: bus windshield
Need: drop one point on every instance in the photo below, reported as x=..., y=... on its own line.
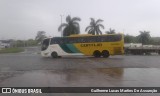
x=45, y=44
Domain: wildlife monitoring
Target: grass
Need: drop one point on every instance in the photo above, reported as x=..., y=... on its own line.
x=11, y=50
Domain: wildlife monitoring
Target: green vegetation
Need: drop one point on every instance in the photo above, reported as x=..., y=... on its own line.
x=144, y=38
x=111, y=31
x=71, y=27
x=23, y=43
x=94, y=27
x=11, y=50
x=40, y=36
x=155, y=40
x=130, y=39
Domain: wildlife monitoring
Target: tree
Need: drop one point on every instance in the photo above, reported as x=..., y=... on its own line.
x=71, y=27
x=40, y=36
x=129, y=39
x=155, y=40
x=31, y=42
x=94, y=27
x=111, y=31
x=20, y=43
x=144, y=37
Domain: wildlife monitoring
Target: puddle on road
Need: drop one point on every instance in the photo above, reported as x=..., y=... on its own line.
x=105, y=77
x=112, y=72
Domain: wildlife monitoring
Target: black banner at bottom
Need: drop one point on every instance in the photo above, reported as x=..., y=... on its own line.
x=80, y=90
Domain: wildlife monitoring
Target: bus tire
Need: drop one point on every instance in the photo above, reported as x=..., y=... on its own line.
x=105, y=53
x=97, y=54
x=54, y=55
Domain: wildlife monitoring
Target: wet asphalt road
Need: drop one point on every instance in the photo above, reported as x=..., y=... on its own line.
x=29, y=69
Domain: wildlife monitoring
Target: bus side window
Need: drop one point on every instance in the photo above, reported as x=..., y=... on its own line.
x=60, y=40
x=64, y=40
x=119, y=37
x=94, y=39
x=98, y=39
x=110, y=38
x=103, y=38
x=69, y=40
x=55, y=41
x=78, y=40
x=52, y=41
x=83, y=40
x=72, y=40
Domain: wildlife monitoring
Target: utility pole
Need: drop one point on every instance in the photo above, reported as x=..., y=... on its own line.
x=61, y=24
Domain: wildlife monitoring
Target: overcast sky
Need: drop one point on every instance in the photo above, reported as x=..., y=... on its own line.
x=21, y=19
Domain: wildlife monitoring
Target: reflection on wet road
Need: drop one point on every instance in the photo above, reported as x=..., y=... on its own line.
x=27, y=69
x=106, y=77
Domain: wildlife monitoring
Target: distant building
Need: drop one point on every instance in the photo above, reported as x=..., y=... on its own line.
x=4, y=44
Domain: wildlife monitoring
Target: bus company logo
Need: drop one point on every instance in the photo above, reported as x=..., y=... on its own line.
x=91, y=45
x=6, y=90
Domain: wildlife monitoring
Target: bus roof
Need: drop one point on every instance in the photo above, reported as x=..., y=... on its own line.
x=83, y=35
x=79, y=35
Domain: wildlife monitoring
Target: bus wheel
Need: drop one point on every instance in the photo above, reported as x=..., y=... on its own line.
x=54, y=55
x=105, y=53
x=97, y=53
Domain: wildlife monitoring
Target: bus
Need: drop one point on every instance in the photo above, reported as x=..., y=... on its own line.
x=89, y=45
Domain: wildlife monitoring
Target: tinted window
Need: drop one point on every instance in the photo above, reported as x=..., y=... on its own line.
x=56, y=40
x=45, y=44
x=87, y=39
x=110, y=38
